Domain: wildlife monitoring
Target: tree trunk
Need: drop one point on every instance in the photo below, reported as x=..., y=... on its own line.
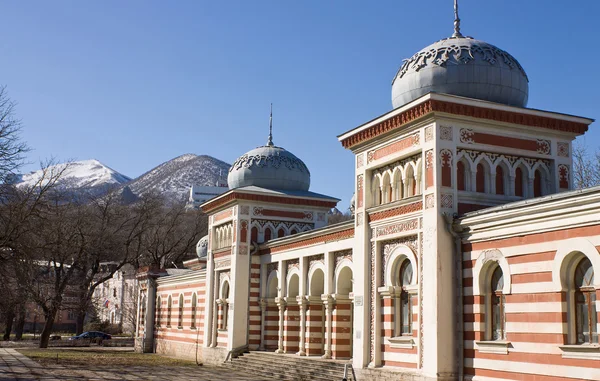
x=45, y=335
x=9, y=317
x=20, y=323
x=79, y=322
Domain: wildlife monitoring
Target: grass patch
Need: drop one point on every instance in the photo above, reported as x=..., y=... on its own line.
x=97, y=357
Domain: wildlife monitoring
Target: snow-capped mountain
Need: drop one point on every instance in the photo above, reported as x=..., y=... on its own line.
x=174, y=178
x=85, y=174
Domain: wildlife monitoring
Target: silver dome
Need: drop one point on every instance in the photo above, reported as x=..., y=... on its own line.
x=202, y=247
x=269, y=167
x=462, y=66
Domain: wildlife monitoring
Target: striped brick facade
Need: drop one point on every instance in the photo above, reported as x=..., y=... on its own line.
x=539, y=341
x=254, y=317
x=291, y=338
x=341, y=341
x=315, y=327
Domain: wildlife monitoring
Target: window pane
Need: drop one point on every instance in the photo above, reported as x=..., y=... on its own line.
x=406, y=273
x=584, y=274
x=406, y=313
x=496, y=318
x=581, y=318
x=497, y=280
x=594, y=316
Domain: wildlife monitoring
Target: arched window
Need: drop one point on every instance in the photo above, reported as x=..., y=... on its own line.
x=585, y=303
x=254, y=234
x=537, y=183
x=224, y=305
x=294, y=231
x=180, y=324
x=519, y=182
x=461, y=176
x=499, y=180
x=404, y=323
x=280, y=233
x=194, y=301
x=497, y=305
x=169, y=305
x=397, y=185
x=480, y=185
x=267, y=234
x=158, y=311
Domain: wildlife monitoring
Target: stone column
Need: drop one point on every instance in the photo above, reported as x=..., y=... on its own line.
x=302, y=303
x=529, y=187
x=215, y=317
x=281, y=304
x=263, y=321
x=492, y=182
x=511, y=185
x=473, y=185
x=150, y=310
x=328, y=303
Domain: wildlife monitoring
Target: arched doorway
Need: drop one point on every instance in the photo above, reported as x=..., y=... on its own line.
x=315, y=315
x=343, y=317
x=291, y=339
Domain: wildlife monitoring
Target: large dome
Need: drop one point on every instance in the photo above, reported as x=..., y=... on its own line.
x=269, y=167
x=462, y=66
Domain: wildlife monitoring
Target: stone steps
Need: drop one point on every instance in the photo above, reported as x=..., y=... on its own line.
x=290, y=367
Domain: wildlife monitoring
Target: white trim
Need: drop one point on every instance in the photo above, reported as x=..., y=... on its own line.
x=398, y=254
x=484, y=262
x=567, y=249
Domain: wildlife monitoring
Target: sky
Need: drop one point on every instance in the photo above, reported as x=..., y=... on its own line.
x=136, y=83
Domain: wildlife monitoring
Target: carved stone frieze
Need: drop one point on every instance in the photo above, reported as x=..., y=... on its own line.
x=360, y=158
x=447, y=200
x=429, y=201
x=293, y=263
x=562, y=149
x=396, y=228
x=446, y=133
x=428, y=133
x=315, y=259
x=341, y=255
x=222, y=264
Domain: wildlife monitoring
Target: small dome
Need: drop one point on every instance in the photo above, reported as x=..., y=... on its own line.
x=462, y=66
x=269, y=167
x=202, y=247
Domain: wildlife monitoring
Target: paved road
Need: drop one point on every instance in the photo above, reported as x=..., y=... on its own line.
x=15, y=366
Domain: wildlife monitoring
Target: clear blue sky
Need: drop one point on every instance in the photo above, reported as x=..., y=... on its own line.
x=136, y=83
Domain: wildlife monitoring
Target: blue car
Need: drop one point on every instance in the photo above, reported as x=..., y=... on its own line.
x=92, y=335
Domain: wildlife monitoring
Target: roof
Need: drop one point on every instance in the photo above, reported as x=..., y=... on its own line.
x=468, y=107
x=255, y=193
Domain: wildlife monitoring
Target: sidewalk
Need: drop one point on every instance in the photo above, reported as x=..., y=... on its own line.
x=15, y=366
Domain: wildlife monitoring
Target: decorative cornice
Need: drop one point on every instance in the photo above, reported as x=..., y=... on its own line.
x=432, y=105
x=390, y=124
x=404, y=209
x=236, y=196
x=337, y=236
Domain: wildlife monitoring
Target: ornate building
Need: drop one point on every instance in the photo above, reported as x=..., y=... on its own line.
x=468, y=257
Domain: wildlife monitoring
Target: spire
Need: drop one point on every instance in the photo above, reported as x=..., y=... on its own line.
x=270, y=141
x=456, y=33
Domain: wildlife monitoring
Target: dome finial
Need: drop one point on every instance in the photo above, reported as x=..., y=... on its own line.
x=270, y=141
x=456, y=33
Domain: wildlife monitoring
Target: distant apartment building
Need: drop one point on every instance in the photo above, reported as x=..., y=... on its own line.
x=201, y=194
x=116, y=298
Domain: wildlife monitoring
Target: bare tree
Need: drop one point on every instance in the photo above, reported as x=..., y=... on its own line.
x=586, y=167
x=113, y=234
x=171, y=234
x=12, y=149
